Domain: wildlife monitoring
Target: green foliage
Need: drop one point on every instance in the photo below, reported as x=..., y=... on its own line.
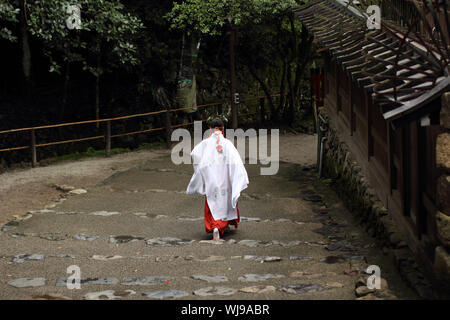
x=8, y=15
x=104, y=27
x=208, y=17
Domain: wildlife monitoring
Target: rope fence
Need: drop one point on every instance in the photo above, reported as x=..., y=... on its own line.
x=107, y=136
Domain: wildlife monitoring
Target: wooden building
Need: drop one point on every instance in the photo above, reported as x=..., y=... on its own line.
x=383, y=95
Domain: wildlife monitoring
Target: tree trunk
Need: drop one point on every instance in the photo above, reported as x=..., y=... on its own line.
x=97, y=92
x=264, y=88
x=26, y=61
x=302, y=59
x=65, y=92
x=63, y=147
x=282, y=90
x=291, y=110
x=233, y=79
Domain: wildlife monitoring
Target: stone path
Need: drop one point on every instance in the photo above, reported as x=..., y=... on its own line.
x=137, y=235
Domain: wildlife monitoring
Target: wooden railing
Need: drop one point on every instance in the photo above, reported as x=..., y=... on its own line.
x=108, y=136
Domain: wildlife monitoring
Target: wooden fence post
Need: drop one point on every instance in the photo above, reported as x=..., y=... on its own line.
x=33, y=149
x=108, y=138
x=168, y=128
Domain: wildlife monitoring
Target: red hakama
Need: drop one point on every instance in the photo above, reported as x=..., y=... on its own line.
x=210, y=223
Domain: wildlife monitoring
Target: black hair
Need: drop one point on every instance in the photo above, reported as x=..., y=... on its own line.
x=217, y=122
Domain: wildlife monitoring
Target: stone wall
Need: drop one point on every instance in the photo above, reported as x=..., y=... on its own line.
x=358, y=195
x=442, y=252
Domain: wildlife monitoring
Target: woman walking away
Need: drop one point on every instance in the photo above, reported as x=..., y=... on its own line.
x=220, y=175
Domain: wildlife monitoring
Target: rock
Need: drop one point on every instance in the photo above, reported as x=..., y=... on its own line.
x=215, y=291
x=63, y=187
x=334, y=285
x=363, y=290
x=62, y=255
x=220, y=241
x=212, y=258
x=62, y=282
x=258, y=289
x=27, y=257
x=23, y=217
x=108, y=295
x=247, y=219
x=286, y=243
x=443, y=152
x=395, y=238
x=77, y=191
x=300, y=258
x=262, y=258
x=85, y=237
x=149, y=215
x=302, y=288
x=67, y=212
x=156, y=190
x=106, y=258
x=168, y=242
x=146, y=281
x=165, y=294
x=401, y=255
x=104, y=213
x=333, y=259
x=10, y=225
x=27, y=282
x=445, y=111
x=401, y=244
x=18, y=235
x=309, y=275
x=369, y=297
x=441, y=264
x=254, y=243
x=215, y=279
x=443, y=228
x=442, y=192
x=282, y=220
x=358, y=266
x=350, y=272
x=50, y=297
x=54, y=236
x=124, y=239
x=251, y=277
x=313, y=198
x=189, y=218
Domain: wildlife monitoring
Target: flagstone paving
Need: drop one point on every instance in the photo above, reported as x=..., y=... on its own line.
x=137, y=235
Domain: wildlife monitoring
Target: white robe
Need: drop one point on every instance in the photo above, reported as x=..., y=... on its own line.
x=221, y=176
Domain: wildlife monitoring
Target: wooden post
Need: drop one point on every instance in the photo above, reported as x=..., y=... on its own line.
x=108, y=138
x=168, y=128
x=33, y=149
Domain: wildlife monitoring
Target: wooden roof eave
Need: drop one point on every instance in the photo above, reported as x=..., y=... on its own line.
x=413, y=105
